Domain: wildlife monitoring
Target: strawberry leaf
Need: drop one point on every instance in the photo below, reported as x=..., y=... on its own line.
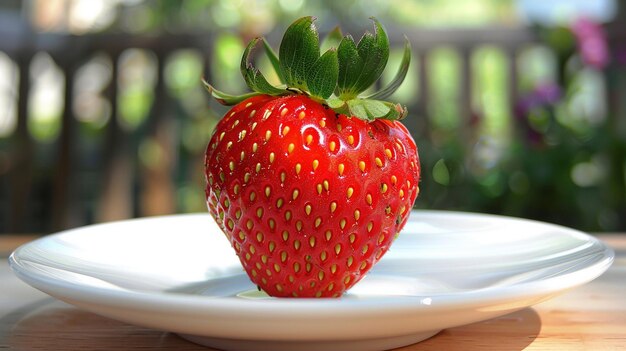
x=273, y=60
x=370, y=110
x=350, y=66
x=322, y=77
x=400, y=75
x=332, y=40
x=357, y=109
x=360, y=65
x=226, y=99
x=335, y=78
x=374, y=51
x=253, y=77
x=396, y=111
x=299, y=50
x=335, y=103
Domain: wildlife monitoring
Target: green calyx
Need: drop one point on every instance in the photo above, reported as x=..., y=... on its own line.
x=337, y=78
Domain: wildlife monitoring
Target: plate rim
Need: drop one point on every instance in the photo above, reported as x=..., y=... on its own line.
x=444, y=301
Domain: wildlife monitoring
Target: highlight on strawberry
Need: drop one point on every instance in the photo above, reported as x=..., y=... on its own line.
x=312, y=180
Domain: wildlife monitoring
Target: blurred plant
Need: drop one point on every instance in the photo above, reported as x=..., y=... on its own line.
x=562, y=161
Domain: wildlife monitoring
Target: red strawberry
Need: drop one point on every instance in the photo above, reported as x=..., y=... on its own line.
x=310, y=196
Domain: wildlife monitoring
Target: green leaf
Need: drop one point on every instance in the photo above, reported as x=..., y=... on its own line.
x=350, y=65
x=370, y=110
x=374, y=51
x=273, y=60
x=299, y=50
x=226, y=99
x=335, y=103
x=358, y=110
x=399, y=77
x=376, y=108
x=253, y=77
x=361, y=65
x=331, y=40
x=367, y=109
x=322, y=77
x=396, y=111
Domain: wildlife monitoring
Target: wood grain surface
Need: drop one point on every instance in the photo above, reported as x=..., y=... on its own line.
x=591, y=317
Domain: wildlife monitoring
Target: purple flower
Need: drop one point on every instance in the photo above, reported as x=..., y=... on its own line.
x=543, y=96
x=547, y=93
x=592, y=43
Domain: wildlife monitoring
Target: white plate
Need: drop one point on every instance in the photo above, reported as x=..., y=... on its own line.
x=179, y=274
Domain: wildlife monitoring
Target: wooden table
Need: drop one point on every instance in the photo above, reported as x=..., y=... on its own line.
x=591, y=317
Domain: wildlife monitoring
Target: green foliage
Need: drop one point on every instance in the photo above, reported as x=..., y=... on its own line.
x=360, y=65
x=554, y=154
x=299, y=50
x=398, y=79
x=253, y=77
x=322, y=76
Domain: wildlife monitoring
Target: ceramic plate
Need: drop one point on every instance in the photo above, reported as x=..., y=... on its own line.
x=179, y=274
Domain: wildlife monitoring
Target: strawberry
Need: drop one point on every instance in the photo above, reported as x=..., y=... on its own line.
x=310, y=181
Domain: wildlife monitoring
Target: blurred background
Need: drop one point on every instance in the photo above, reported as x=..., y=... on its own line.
x=518, y=107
